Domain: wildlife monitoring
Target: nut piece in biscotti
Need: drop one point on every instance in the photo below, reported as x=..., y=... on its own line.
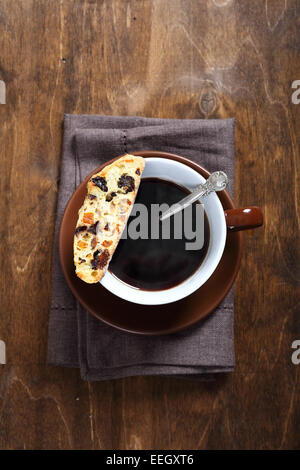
x=103, y=216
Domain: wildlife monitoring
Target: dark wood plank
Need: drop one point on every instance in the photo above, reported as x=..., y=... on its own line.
x=164, y=58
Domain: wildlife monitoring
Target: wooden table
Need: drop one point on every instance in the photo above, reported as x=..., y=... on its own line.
x=160, y=58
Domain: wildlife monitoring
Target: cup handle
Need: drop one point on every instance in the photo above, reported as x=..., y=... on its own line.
x=243, y=218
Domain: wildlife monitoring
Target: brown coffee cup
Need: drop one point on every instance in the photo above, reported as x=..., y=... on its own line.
x=243, y=218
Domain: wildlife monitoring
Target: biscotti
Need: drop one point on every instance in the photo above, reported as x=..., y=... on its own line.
x=102, y=218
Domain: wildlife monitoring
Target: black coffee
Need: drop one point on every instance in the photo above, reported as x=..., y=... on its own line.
x=163, y=263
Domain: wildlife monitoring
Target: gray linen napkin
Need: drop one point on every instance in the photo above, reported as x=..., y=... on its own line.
x=76, y=339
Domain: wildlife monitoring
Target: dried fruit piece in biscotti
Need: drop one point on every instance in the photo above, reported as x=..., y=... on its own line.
x=103, y=215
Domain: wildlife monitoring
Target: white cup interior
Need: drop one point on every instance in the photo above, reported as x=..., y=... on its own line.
x=183, y=175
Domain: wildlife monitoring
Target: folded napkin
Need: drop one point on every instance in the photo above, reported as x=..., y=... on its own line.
x=76, y=338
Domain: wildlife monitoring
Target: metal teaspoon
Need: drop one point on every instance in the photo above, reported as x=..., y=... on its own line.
x=217, y=181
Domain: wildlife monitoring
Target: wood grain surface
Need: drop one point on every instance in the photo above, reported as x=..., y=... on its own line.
x=160, y=58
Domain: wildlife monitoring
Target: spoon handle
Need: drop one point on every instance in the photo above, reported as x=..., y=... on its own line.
x=217, y=181
x=200, y=191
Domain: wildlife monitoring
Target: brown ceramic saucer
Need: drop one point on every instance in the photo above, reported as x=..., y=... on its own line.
x=143, y=319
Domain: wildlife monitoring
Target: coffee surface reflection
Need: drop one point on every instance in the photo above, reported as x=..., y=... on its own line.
x=158, y=264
